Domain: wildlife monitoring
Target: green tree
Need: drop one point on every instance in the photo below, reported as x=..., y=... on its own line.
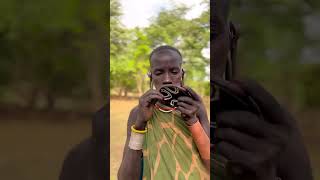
x=54, y=46
x=130, y=48
x=271, y=45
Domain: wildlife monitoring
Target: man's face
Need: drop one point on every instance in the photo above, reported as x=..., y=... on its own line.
x=220, y=40
x=166, y=68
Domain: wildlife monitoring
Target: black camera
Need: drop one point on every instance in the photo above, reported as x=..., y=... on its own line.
x=171, y=94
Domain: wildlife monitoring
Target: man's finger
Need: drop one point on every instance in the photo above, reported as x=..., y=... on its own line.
x=187, y=100
x=152, y=97
x=185, y=105
x=244, y=121
x=184, y=110
x=235, y=155
x=146, y=96
x=153, y=92
x=267, y=103
x=240, y=139
x=193, y=93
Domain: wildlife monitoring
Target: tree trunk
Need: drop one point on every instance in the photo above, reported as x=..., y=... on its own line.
x=120, y=92
x=140, y=83
x=33, y=98
x=50, y=100
x=139, y=87
x=94, y=82
x=95, y=61
x=126, y=92
x=94, y=44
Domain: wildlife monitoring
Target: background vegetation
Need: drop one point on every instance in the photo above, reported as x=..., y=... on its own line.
x=53, y=54
x=130, y=48
x=52, y=77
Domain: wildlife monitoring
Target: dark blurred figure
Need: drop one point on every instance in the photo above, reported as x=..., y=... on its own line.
x=253, y=137
x=89, y=160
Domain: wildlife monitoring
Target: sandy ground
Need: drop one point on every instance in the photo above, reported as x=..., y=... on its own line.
x=119, y=113
x=34, y=150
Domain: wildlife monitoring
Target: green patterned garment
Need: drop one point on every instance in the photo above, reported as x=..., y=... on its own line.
x=169, y=150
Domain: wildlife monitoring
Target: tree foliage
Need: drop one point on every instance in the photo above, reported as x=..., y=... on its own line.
x=272, y=47
x=48, y=47
x=131, y=48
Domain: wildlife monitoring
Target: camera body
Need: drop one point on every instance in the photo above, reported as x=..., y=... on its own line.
x=171, y=94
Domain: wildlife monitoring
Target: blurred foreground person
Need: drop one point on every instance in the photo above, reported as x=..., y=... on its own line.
x=89, y=160
x=252, y=136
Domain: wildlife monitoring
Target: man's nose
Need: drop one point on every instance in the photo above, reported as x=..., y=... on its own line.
x=167, y=79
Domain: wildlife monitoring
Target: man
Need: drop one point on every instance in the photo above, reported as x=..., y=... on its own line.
x=162, y=143
x=249, y=146
x=89, y=159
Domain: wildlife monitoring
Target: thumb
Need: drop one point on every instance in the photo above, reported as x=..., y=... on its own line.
x=195, y=96
x=267, y=103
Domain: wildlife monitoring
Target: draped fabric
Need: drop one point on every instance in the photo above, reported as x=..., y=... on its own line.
x=169, y=150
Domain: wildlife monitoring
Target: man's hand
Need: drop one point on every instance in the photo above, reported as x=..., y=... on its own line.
x=145, y=107
x=191, y=109
x=250, y=142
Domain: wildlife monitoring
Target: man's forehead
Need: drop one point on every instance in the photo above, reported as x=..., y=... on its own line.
x=163, y=52
x=165, y=56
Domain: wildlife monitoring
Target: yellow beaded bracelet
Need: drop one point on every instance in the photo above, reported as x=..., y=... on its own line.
x=138, y=131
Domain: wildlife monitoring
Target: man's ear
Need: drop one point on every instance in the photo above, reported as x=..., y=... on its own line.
x=232, y=64
x=150, y=78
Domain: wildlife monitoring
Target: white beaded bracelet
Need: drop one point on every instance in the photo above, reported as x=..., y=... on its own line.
x=136, y=141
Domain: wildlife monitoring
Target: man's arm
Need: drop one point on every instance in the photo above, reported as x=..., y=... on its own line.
x=131, y=163
x=202, y=112
x=130, y=167
x=195, y=116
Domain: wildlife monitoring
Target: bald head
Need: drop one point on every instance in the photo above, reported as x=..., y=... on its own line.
x=165, y=50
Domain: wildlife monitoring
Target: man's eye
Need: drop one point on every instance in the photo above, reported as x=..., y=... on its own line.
x=157, y=73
